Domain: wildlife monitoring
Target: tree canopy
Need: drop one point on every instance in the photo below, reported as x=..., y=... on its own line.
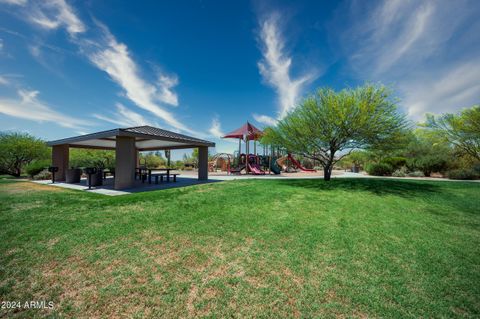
x=329, y=122
x=461, y=130
x=18, y=150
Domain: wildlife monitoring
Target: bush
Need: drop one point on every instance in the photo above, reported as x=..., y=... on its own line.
x=401, y=172
x=462, y=174
x=36, y=167
x=416, y=174
x=428, y=164
x=379, y=169
x=395, y=162
x=43, y=175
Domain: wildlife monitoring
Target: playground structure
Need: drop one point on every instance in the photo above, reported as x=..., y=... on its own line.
x=252, y=163
x=220, y=161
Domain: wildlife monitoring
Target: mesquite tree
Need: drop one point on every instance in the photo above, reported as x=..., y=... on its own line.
x=329, y=125
x=461, y=130
x=18, y=150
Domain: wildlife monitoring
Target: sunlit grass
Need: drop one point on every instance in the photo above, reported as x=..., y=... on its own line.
x=263, y=248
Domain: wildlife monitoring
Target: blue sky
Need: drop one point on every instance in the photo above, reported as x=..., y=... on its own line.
x=206, y=67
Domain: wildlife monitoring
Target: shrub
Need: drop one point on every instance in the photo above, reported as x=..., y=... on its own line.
x=462, y=174
x=36, y=167
x=428, y=164
x=379, y=169
x=416, y=174
x=43, y=175
x=401, y=172
x=395, y=162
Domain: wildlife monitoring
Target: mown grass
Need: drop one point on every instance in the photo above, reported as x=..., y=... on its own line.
x=250, y=248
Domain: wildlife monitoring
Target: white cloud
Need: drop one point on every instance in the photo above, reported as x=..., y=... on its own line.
x=405, y=41
x=216, y=129
x=265, y=119
x=3, y=80
x=30, y=108
x=276, y=65
x=115, y=59
x=52, y=14
x=15, y=2
x=165, y=93
x=440, y=92
x=428, y=49
x=112, y=57
x=1, y=44
x=394, y=32
x=125, y=117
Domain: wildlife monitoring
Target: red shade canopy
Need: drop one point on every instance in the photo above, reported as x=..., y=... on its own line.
x=247, y=130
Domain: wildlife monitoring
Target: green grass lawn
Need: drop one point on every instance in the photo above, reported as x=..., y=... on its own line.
x=263, y=248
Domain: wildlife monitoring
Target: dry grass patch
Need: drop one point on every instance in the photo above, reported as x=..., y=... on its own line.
x=27, y=187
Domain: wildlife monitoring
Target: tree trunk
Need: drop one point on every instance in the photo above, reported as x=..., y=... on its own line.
x=327, y=172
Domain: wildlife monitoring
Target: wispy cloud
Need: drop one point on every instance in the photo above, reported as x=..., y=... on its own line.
x=216, y=129
x=3, y=80
x=52, y=14
x=15, y=2
x=125, y=117
x=264, y=119
x=427, y=49
x=114, y=58
x=275, y=67
x=164, y=90
x=443, y=91
x=29, y=107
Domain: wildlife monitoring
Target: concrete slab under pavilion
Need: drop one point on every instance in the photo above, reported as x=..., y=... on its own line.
x=127, y=143
x=108, y=185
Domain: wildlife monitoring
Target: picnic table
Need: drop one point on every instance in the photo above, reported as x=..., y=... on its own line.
x=147, y=172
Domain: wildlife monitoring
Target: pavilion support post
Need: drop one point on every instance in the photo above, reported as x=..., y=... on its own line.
x=60, y=154
x=203, y=163
x=125, y=159
x=137, y=158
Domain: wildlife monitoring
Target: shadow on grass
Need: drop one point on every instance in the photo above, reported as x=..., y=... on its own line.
x=376, y=186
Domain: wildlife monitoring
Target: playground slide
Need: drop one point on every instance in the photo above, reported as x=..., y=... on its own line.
x=255, y=169
x=298, y=165
x=237, y=170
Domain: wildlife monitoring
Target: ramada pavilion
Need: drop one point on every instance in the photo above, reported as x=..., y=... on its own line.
x=127, y=143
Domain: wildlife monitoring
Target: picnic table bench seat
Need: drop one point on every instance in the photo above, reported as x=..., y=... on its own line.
x=159, y=176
